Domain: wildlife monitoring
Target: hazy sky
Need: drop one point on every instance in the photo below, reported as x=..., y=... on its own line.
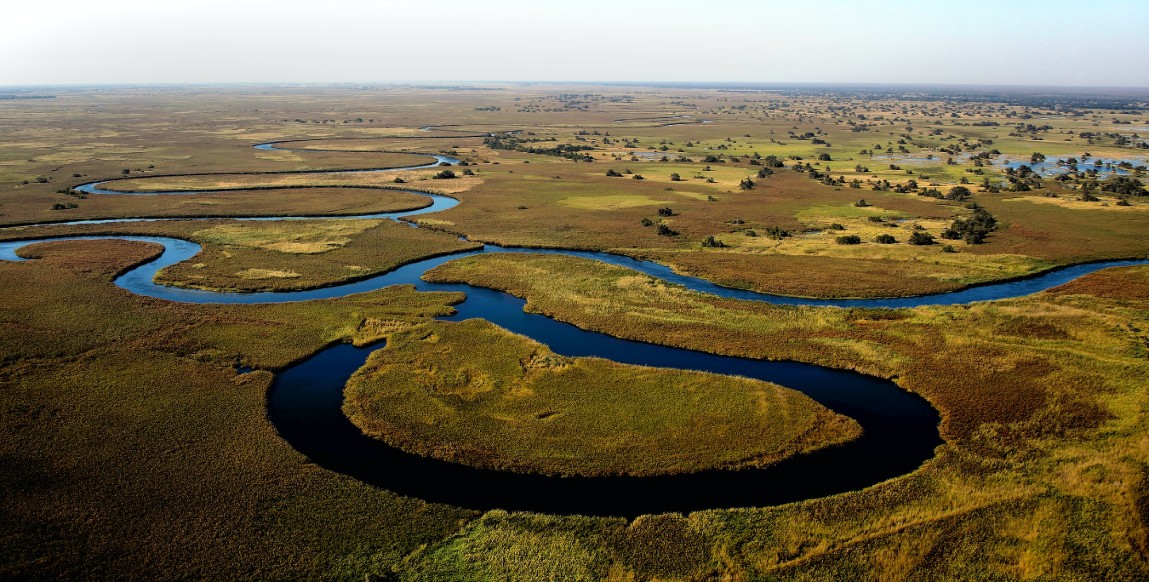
x=1052, y=42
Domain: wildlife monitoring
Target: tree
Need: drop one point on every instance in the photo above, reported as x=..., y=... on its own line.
x=777, y=232
x=959, y=193
x=921, y=238
x=711, y=242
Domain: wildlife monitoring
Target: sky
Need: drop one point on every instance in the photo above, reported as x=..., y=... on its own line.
x=1002, y=42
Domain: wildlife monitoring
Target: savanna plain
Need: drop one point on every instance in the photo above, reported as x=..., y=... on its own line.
x=136, y=437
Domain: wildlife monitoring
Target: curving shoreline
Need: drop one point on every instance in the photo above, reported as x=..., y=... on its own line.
x=304, y=402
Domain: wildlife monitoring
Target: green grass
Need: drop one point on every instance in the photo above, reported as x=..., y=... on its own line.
x=474, y=393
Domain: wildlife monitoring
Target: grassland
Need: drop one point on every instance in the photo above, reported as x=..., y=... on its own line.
x=133, y=449
x=275, y=255
x=473, y=393
x=1036, y=395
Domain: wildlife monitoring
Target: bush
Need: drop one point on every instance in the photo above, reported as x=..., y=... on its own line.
x=613, y=174
x=746, y=184
x=849, y=239
x=399, y=181
x=711, y=242
x=468, y=172
x=664, y=230
x=885, y=239
x=921, y=238
x=444, y=175
x=665, y=211
x=646, y=222
x=861, y=203
x=837, y=226
x=777, y=232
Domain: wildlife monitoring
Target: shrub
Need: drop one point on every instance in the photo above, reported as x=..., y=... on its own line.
x=837, y=226
x=613, y=174
x=444, y=175
x=885, y=239
x=646, y=222
x=921, y=238
x=777, y=232
x=849, y=239
x=711, y=242
x=664, y=230
x=665, y=211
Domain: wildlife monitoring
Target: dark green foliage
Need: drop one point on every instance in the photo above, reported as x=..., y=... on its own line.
x=837, y=226
x=646, y=222
x=675, y=178
x=611, y=173
x=664, y=230
x=921, y=238
x=777, y=232
x=959, y=194
x=746, y=184
x=885, y=239
x=713, y=243
x=974, y=229
x=665, y=211
x=849, y=239
x=444, y=175
x=1124, y=186
x=772, y=162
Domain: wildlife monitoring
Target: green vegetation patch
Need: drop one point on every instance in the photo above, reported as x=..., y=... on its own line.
x=474, y=393
x=609, y=202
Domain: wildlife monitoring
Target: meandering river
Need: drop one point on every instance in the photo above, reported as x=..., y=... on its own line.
x=305, y=400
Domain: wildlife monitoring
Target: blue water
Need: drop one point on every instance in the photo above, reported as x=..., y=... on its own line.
x=304, y=403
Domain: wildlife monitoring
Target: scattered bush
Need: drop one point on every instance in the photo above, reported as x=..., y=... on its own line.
x=777, y=232
x=849, y=239
x=711, y=242
x=921, y=238
x=885, y=239
x=444, y=175
x=665, y=211
x=664, y=230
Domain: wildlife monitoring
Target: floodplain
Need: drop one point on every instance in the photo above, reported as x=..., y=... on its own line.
x=137, y=438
